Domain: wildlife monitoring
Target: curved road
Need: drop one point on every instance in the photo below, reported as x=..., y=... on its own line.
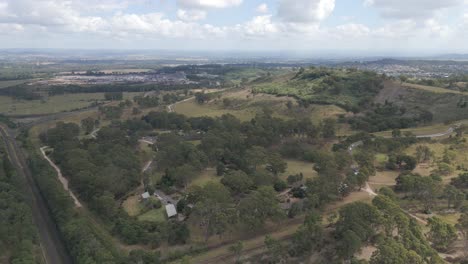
x=51, y=243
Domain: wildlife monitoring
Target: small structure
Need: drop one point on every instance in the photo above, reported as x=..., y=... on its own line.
x=171, y=210
x=145, y=196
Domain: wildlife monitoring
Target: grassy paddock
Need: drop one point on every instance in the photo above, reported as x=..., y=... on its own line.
x=53, y=104
x=296, y=167
x=207, y=175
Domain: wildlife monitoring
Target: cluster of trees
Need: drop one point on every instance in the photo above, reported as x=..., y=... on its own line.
x=348, y=88
x=18, y=235
x=148, y=101
x=398, y=237
x=104, y=170
x=388, y=117
x=84, y=243
x=21, y=92
x=113, y=96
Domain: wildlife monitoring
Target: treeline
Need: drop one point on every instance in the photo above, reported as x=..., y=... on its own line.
x=388, y=117
x=350, y=89
x=22, y=92
x=19, y=240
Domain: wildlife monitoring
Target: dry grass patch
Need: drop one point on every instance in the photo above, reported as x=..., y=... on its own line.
x=132, y=205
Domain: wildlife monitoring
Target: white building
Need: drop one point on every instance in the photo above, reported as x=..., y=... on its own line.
x=171, y=210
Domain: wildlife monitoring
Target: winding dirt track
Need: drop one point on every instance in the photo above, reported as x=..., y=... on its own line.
x=51, y=243
x=62, y=179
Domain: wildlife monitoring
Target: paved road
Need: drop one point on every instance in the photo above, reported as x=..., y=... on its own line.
x=51, y=242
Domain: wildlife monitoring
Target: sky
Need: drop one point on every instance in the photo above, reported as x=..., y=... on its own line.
x=399, y=26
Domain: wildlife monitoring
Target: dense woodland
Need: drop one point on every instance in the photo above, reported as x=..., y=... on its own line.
x=18, y=235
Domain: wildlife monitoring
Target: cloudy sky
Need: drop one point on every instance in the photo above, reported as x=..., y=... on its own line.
x=433, y=26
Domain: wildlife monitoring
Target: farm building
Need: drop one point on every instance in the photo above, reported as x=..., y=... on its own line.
x=171, y=210
x=145, y=196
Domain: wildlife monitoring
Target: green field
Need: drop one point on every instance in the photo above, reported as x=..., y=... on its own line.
x=53, y=104
x=432, y=88
x=297, y=166
x=154, y=215
x=193, y=109
x=208, y=175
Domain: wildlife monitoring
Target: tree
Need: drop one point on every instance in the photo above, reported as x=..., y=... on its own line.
x=88, y=124
x=396, y=133
x=183, y=174
x=454, y=196
x=462, y=226
x=275, y=250
x=390, y=251
x=403, y=78
x=441, y=234
x=423, y=153
x=349, y=244
x=276, y=164
x=328, y=128
x=213, y=209
x=256, y=156
x=309, y=236
x=259, y=206
x=236, y=249
x=237, y=181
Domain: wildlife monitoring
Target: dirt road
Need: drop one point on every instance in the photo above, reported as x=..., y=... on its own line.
x=62, y=179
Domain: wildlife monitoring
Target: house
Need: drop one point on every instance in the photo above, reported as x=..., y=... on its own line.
x=171, y=210
x=145, y=196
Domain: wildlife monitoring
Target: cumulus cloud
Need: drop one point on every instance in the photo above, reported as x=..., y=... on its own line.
x=262, y=8
x=191, y=15
x=411, y=9
x=203, y=4
x=305, y=11
x=259, y=26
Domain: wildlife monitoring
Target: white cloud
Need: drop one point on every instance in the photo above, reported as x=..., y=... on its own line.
x=191, y=15
x=259, y=26
x=305, y=11
x=203, y=4
x=411, y=9
x=262, y=8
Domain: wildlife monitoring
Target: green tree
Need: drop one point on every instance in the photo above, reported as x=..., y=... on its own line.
x=237, y=181
x=390, y=251
x=276, y=164
x=424, y=153
x=214, y=210
x=441, y=234
x=309, y=236
x=259, y=206
x=328, y=128
x=236, y=249
x=462, y=226
x=349, y=244
x=88, y=124
x=275, y=250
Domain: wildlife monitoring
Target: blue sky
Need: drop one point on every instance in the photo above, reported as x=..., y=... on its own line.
x=398, y=26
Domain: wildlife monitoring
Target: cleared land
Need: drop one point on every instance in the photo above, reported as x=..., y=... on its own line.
x=297, y=166
x=53, y=104
x=245, y=106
